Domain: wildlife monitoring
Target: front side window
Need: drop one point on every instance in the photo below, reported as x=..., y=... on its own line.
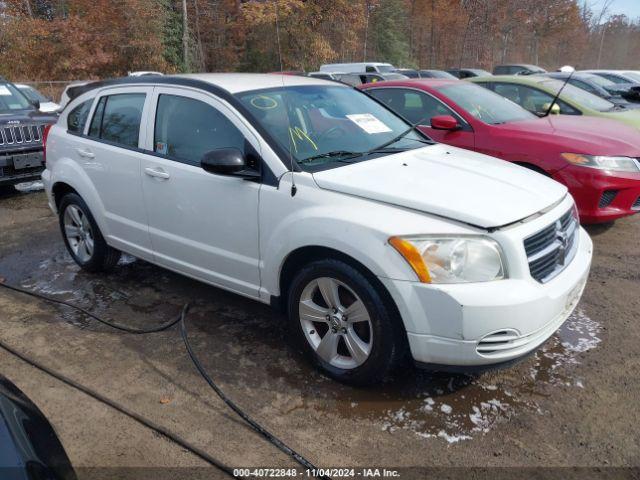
x=325, y=126
x=485, y=105
x=417, y=107
x=11, y=99
x=117, y=118
x=186, y=129
x=77, y=117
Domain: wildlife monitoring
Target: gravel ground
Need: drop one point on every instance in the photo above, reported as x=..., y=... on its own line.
x=572, y=404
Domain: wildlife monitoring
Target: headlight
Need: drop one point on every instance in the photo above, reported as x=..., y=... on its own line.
x=615, y=164
x=452, y=259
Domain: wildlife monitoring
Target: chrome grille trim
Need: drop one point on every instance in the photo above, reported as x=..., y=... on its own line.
x=551, y=249
x=21, y=134
x=636, y=205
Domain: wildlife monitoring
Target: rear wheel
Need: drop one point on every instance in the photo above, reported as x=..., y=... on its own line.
x=342, y=323
x=83, y=238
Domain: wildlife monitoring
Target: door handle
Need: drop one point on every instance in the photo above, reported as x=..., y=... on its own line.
x=157, y=173
x=85, y=153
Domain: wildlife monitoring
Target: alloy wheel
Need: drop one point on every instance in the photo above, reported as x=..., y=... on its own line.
x=336, y=323
x=78, y=232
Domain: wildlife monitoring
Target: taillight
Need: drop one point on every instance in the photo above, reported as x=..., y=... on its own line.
x=45, y=135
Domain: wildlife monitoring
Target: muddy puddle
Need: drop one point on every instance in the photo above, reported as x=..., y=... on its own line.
x=461, y=407
x=453, y=408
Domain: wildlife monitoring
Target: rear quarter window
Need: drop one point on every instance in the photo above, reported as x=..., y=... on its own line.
x=77, y=118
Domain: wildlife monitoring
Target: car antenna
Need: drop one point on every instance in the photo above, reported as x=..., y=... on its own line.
x=565, y=69
x=294, y=189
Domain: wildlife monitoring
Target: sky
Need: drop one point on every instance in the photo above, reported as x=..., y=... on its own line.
x=631, y=8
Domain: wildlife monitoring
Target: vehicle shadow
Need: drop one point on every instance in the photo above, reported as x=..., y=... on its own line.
x=598, y=228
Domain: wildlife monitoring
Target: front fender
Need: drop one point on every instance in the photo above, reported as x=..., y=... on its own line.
x=354, y=226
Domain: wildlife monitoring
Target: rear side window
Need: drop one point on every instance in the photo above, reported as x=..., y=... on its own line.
x=186, y=129
x=77, y=118
x=117, y=119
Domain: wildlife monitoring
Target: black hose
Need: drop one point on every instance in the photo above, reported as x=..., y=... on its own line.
x=122, y=409
x=183, y=331
x=255, y=425
x=123, y=328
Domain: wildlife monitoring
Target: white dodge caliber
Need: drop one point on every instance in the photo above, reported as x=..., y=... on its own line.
x=312, y=196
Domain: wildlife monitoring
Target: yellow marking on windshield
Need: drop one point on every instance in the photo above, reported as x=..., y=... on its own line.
x=297, y=132
x=262, y=102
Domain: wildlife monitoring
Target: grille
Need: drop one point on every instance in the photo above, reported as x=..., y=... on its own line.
x=608, y=196
x=21, y=135
x=550, y=250
x=636, y=205
x=497, y=342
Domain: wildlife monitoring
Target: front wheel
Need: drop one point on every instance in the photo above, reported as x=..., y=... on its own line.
x=343, y=324
x=83, y=238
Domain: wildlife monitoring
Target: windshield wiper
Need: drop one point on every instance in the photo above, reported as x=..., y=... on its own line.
x=342, y=154
x=398, y=138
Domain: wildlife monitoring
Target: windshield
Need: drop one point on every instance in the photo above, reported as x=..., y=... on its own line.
x=578, y=96
x=385, y=68
x=633, y=76
x=440, y=74
x=33, y=94
x=395, y=76
x=485, y=105
x=601, y=81
x=11, y=99
x=327, y=125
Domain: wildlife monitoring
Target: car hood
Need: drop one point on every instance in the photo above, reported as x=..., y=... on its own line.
x=572, y=134
x=630, y=117
x=448, y=182
x=27, y=116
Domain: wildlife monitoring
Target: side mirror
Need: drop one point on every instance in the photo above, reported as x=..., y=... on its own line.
x=554, y=111
x=35, y=103
x=228, y=161
x=444, y=122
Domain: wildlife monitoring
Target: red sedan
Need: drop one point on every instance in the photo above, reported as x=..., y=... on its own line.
x=597, y=159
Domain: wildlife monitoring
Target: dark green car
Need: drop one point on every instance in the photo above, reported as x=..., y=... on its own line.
x=536, y=94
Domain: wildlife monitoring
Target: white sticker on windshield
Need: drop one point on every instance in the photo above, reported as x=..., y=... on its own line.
x=4, y=91
x=369, y=123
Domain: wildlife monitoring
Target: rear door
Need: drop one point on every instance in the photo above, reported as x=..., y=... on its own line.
x=419, y=108
x=201, y=224
x=109, y=153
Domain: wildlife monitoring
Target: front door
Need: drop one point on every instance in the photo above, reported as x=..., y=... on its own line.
x=200, y=224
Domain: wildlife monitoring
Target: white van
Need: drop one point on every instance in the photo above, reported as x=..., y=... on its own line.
x=365, y=67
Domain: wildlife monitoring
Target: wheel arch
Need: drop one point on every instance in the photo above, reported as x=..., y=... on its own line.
x=59, y=190
x=303, y=256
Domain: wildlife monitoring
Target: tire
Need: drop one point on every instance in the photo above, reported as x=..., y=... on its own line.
x=6, y=190
x=83, y=238
x=361, y=352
